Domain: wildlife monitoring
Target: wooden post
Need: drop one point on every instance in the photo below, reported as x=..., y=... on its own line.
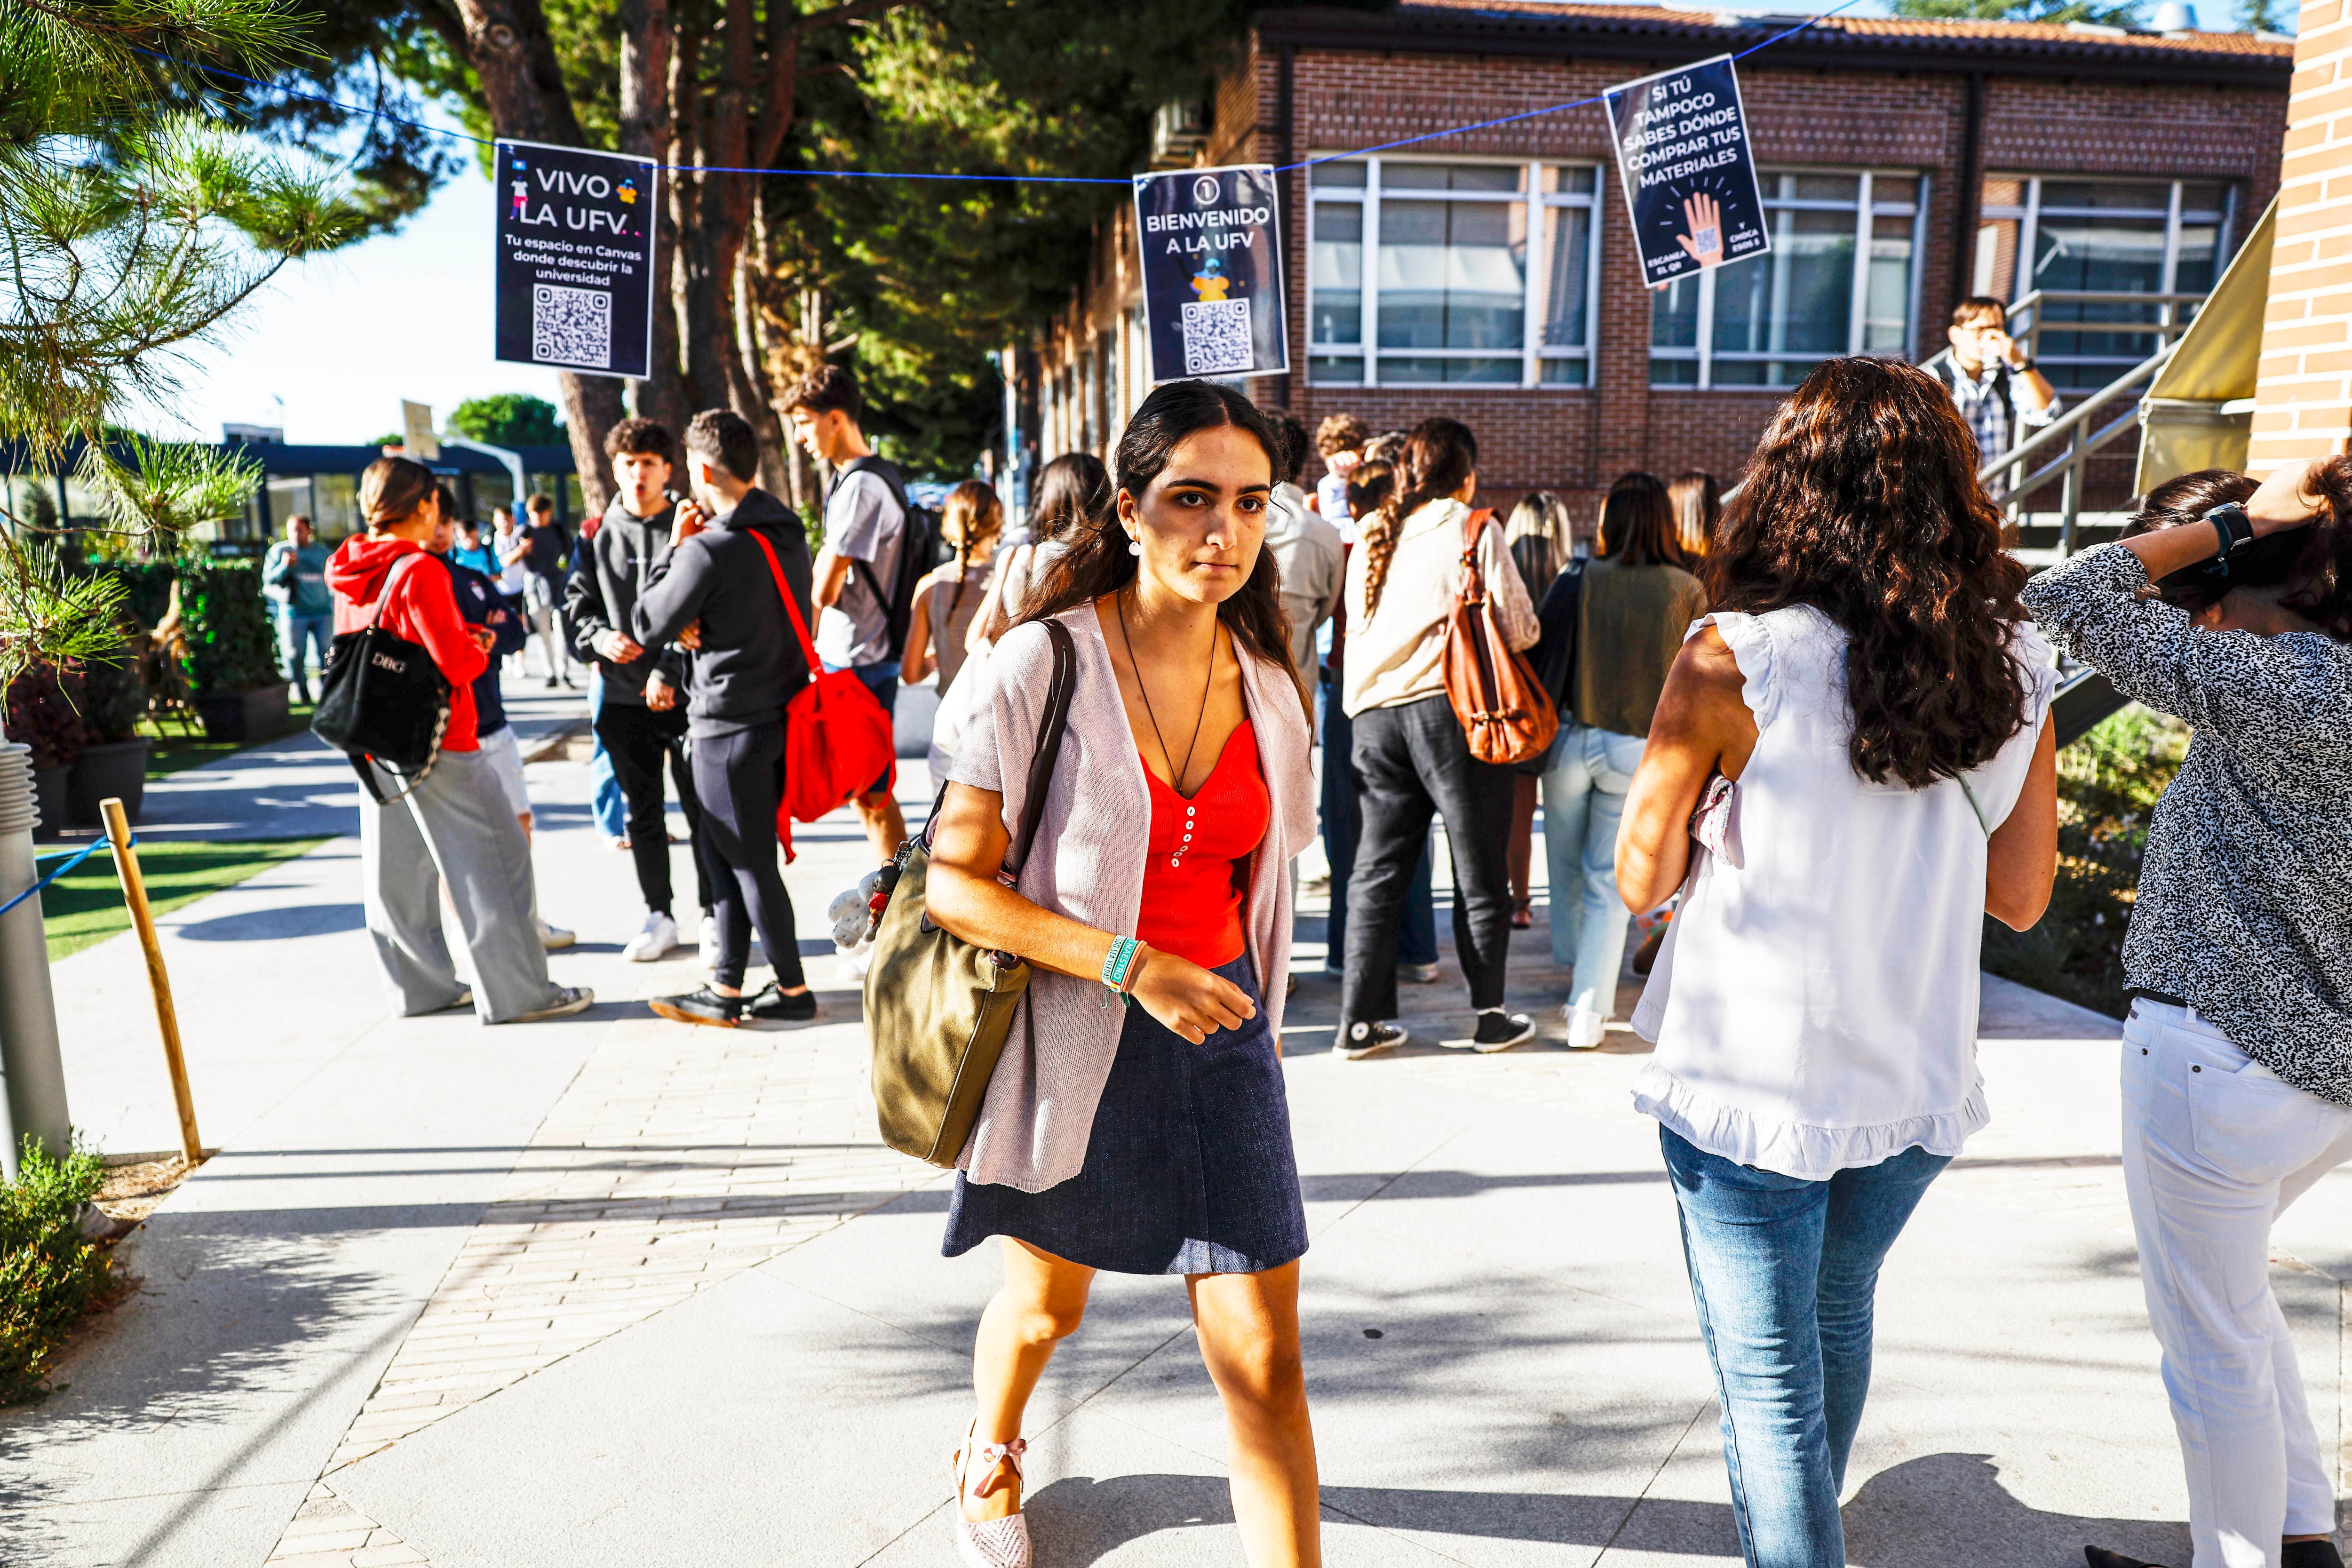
x=134, y=894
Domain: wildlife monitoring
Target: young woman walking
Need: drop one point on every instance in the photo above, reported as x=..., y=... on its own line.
x=2230, y=606
x=1413, y=761
x=1863, y=717
x=456, y=826
x=1137, y=1120
x=948, y=599
x=1636, y=603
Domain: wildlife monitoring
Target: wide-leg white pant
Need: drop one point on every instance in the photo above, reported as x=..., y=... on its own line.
x=2215, y=1147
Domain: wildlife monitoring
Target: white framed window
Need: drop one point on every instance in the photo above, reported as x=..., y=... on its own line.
x=1464, y=286
x=2115, y=236
x=1841, y=277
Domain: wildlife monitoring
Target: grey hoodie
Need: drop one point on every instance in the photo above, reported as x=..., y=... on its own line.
x=608, y=574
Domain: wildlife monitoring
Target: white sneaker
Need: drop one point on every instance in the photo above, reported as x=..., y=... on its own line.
x=1585, y=1029
x=708, y=941
x=659, y=935
x=555, y=939
x=854, y=960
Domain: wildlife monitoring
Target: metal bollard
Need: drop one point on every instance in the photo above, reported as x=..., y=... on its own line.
x=32, y=1070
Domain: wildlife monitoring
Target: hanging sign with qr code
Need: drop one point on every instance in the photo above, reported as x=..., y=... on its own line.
x=575, y=267
x=1688, y=174
x=1212, y=272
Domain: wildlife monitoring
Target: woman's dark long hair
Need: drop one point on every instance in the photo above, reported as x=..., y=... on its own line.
x=1862, y=501
x=1637, y=524
x=1073, y=493
x=1439, y=456
x=1097, y=561
x=2313, y=563
x=1699, y=504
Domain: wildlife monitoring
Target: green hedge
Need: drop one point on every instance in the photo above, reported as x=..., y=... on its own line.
x=232, y=638
x=50, y=1275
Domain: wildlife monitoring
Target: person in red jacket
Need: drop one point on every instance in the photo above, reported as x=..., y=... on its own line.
x=452, y=826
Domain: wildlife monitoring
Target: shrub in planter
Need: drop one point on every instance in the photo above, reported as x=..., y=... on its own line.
x=232, y=643
x=45, y=713
x=113, y=700
x=50, y=1275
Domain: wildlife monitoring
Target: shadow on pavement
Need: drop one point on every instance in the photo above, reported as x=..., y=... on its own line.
x=274, y=925
x=1928, y=1512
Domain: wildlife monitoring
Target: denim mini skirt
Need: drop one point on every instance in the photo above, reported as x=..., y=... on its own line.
x=1189, y=1169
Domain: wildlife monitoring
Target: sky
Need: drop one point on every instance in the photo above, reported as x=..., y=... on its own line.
x=330, y=347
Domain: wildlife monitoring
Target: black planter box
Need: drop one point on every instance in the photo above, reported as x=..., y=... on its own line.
x=118, y=768
x=50, y=799
x=241, y=716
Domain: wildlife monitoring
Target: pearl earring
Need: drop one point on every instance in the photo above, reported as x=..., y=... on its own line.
x=1134, y=545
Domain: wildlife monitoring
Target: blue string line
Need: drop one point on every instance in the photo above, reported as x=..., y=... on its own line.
x=375, y=113
x=75, y=858
x=1551, y=108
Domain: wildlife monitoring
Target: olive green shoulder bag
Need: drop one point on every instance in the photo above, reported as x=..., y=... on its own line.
x=938, y=1009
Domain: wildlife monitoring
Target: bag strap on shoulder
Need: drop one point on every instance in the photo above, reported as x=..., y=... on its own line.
x=791, y=605
x=1050, y=726
x=1474, y=586
x=389, y=578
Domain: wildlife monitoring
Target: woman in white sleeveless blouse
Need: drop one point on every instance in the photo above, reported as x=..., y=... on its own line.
x=1872, y=691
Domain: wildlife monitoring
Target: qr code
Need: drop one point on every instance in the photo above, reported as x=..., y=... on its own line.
x=1217, y=336
x=571, y=326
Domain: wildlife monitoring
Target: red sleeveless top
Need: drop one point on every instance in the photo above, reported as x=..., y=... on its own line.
x=1197, y=863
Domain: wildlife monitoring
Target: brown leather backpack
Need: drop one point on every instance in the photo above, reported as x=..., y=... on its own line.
x=1505, y=712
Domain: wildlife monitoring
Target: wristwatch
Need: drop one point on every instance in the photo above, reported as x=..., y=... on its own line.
x=2235, y=528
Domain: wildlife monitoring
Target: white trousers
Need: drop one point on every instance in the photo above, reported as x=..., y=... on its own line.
x=2215, y=1147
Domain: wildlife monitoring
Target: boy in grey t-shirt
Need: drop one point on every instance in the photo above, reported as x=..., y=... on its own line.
x=865, y=522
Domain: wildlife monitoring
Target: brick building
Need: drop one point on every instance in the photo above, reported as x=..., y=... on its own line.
x=1904, y=164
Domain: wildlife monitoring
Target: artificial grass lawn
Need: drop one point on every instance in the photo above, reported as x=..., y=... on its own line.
x=175, y=748
x=86, y=905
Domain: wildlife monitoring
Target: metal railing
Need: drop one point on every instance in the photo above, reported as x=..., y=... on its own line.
x=2059, y=451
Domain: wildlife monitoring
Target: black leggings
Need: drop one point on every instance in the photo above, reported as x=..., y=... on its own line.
x=637, y=739
x=741, y=777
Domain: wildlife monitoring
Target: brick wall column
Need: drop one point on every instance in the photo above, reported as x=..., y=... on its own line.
x=2303, y=400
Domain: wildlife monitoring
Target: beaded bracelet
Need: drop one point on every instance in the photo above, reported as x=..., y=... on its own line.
x=1116, y=964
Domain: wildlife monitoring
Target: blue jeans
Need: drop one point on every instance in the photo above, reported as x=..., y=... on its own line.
x=293, y=632
x=1784, y=1273
x=1583, y=800
x=607, y=804
x=1417, y=931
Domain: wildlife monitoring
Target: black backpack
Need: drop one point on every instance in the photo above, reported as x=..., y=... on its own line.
x=382, y=697
x=921, y=549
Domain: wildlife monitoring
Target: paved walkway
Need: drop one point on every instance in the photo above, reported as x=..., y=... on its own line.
x=618, y=1291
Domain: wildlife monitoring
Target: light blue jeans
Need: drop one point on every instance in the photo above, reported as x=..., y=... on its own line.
x=1583, y=800
x=607, y=803
x=1785, y=1274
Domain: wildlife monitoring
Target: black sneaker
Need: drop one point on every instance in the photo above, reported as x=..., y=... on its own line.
x=1499, y=1031
x=700, y=1006
x=1357, y=1041
x=774, y=1007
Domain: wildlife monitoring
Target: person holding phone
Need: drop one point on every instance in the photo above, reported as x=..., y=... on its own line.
x=1994, y=384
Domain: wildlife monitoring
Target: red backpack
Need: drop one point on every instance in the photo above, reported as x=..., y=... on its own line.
x=837, y=738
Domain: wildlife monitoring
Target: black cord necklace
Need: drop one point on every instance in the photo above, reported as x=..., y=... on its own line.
x=1143, y=692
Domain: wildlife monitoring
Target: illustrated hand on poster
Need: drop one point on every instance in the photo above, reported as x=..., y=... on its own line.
x=1705, y=241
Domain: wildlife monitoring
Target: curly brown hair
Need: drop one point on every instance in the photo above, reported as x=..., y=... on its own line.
x=1862, y=501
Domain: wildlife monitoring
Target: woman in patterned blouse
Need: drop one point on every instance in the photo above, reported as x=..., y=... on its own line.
x=2230, y=605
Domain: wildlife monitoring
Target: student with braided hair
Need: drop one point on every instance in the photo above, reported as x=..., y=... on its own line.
x=1413, y=761
x=949, y=598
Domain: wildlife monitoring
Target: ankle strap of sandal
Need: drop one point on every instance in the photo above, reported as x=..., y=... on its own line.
x=984, y=1458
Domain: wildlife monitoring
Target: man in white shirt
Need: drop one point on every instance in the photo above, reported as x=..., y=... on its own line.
x=857, y=570
x=1306, y=547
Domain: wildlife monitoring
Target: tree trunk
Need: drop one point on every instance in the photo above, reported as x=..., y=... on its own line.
x=591, y=405
x=647, y=131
